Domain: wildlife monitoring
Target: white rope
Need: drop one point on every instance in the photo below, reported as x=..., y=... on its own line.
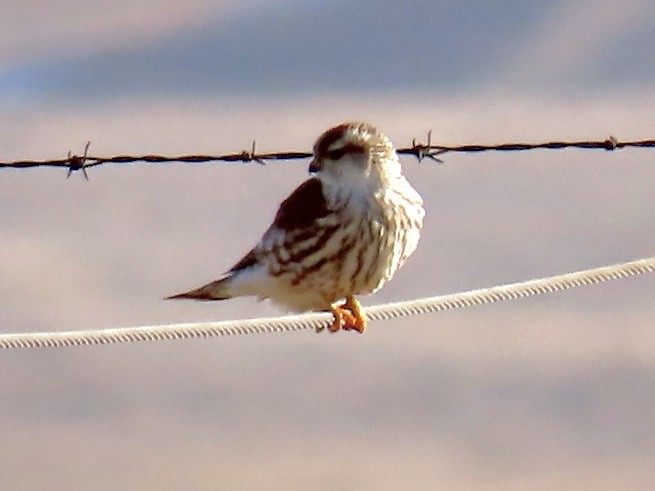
x=322, y=320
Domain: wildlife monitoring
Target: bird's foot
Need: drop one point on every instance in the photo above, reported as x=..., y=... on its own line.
x=348, y=316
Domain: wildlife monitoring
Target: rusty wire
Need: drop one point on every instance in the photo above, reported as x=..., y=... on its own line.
x=419, y=150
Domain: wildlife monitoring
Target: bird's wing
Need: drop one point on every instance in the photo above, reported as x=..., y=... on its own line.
x=297, y=214
x=303, y=207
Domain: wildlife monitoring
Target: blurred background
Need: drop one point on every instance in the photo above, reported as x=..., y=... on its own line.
x=554, y=392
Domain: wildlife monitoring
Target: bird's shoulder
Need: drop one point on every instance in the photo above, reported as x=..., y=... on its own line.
x=303, y=207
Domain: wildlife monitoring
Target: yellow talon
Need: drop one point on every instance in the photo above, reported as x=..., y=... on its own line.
x=357, y=319
x=348, y=316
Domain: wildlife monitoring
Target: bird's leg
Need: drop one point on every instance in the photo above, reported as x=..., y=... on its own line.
x=343, y=318
x=347, y=316
x=357, y=319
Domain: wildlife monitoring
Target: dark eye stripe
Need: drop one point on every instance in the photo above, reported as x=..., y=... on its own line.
x=337, y=153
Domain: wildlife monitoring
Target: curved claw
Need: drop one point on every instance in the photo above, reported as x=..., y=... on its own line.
x=348, y=316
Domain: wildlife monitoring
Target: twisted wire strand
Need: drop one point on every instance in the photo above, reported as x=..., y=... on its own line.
x=319, y=321
x=74, y=162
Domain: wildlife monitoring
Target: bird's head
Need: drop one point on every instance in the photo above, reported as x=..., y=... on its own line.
x=354, y=152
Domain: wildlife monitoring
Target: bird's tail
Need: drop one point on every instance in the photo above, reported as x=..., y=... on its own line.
x=216, y=290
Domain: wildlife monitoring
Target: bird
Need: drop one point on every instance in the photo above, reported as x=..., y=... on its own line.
x=342, y=233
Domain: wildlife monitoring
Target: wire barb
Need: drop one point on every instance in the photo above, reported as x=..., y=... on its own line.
x=611, y=143
x=252, y=155
x=78, y=162
x=316, y=321
x=425, y=150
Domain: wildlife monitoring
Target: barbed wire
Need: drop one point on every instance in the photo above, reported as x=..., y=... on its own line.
x=319, y=321
x=421, y=151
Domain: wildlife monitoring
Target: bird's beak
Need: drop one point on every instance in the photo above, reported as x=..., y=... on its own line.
x=313, y=166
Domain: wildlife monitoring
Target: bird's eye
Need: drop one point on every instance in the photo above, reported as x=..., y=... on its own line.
x=335, y=154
